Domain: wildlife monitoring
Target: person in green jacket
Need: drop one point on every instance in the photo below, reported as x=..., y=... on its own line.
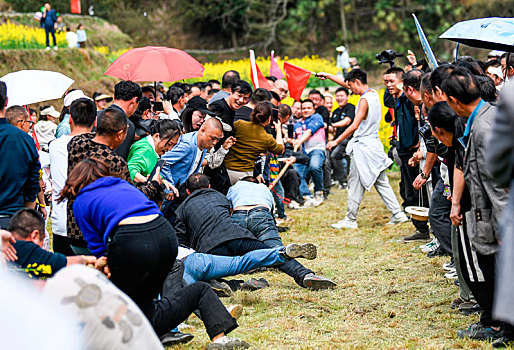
x=144, y=154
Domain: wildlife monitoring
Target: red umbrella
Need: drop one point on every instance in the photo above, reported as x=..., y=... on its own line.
x=155, y=63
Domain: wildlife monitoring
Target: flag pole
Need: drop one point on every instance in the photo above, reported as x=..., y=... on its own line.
x=254, y=69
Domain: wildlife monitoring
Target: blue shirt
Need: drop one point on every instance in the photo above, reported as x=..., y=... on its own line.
x=50, y=18
x=249, y=193
x=81, y=35
x=42, y=264
x=19, y=169
x=64, y=127
x=465, y=137
x=101, y=205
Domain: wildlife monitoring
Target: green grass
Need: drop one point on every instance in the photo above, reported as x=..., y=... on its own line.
x=389, y=294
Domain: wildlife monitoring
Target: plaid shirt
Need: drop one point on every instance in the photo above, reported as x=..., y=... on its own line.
x=81, y=147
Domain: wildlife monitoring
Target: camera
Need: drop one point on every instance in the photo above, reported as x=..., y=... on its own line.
x=388, y=56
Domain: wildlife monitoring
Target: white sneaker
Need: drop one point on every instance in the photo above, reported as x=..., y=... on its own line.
x=345, y=223
x=318, y=197
x=55, y=47
x=228, y=343
x=294, y=205
x=425, y=245
x=398, y=219
x=452, y=275
x=47, y=48
x=309, y=202
x=430, y=247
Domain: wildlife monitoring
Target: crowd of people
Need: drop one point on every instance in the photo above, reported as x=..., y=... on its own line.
x=168, y=192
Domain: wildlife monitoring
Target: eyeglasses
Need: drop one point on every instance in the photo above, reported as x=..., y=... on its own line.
x=26, y=121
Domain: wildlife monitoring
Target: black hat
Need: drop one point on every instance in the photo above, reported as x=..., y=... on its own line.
x=198, y=104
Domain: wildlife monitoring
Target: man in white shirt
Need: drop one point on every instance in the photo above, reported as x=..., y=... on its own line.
x=83, y=117
x=369, y=160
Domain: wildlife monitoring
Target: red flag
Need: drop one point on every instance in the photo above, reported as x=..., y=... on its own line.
x=258, y=79
x=75, y=6
x=274, y=69
x=296, y=79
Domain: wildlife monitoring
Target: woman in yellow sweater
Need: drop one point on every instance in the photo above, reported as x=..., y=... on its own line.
x=252, y=141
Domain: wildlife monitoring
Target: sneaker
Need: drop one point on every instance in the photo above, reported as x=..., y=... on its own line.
x=502, y=342
x=282, y=228
x=309, y=202
x=451, y=275
x=255, y=284
x=47, y=48
x=235, y=310
x=439, y=251
x=470, y=307
x=56, y=48
x=416, y=236
x=449, y=266
x=434, y=240
x=311, y=281
x=294, y=205
x=430, y=247
x=185, y=328
x=221, y=289
x=175, y=338
x=307, y=251
x=399, y=218
x=227, y=343
x=480, y=332
x=345, y=223
x=456, y=303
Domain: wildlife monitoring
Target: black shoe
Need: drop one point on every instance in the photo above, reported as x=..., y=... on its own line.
x=437, y=252
x=502, y=342
x=255, y=284
x=469, y=307
x=311, y=281
x=282, y=228
x=175, y=338
x=480, y=332
x=456, y=303
x=417, y=236
x=221, y=288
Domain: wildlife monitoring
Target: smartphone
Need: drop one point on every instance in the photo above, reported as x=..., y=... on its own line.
x=159, y=164
x=290, y=131
x=157, y=106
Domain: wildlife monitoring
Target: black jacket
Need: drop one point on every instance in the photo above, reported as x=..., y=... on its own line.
x=203, y=221
x=406, y=124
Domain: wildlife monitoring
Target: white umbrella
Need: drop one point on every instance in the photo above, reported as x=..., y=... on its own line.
x=31, y=86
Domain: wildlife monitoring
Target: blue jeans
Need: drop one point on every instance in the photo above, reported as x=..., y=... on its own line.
x=205, y=267
x=260, y=222
x=279, y=191
x=314, y=169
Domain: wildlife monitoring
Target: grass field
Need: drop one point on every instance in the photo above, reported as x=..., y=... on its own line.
x=389, y=294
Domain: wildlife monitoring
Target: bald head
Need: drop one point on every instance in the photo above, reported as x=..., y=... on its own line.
x=281, y=88
x=210, y=133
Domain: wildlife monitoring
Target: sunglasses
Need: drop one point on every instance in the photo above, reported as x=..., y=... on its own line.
x=26, y=121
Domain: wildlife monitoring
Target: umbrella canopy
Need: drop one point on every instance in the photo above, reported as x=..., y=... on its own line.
x=32, y=86
x=155, y=63
x=494, y=33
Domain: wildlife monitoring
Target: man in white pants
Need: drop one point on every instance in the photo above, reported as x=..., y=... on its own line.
x=368, y=159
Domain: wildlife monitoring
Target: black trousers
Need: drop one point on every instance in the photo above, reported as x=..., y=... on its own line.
x=439, y=217
x=337, y=155
x=242, y=246
x=61, y=245
x=409, y=174
x=291, y=183
x=479, y=273
x=140, y=258
x=327, y=176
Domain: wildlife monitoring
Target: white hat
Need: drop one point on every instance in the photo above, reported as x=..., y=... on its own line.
x=341, y=48
x=72, y=96
x=51, y=112
x=496, y=71
x=226, y=127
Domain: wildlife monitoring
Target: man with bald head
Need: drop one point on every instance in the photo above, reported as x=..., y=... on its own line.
x=281, y=88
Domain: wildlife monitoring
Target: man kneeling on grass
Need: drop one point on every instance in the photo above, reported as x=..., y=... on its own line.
x=204, y=224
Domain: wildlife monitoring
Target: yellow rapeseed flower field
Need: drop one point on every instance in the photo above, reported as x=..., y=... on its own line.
x=17, y=36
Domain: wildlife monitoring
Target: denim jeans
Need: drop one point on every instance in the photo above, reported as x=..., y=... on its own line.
x=314, y=169
x=278, y=194
x=260, y=222
x=205, y=267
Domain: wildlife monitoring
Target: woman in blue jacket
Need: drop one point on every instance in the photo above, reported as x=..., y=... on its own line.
x=118, y=221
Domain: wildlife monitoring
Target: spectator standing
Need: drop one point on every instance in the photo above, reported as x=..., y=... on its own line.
x=101, y=100
x=81, y=36
x=17, y=152
x=229, y=77
x=49, y=21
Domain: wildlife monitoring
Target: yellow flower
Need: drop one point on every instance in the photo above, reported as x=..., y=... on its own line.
x=17, y=36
